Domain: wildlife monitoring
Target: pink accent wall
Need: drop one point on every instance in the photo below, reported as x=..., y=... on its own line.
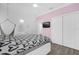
x=67, y=9
x=46, y=32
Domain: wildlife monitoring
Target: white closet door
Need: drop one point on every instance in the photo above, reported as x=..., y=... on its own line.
x=56, y=25
x=71, y=30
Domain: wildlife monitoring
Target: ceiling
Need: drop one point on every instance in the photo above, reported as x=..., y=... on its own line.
x=26, y=11
x=28, y=8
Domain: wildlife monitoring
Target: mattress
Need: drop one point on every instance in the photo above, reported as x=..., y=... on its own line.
x=23, y=44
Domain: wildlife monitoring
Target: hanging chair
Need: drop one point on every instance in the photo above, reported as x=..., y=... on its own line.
x=7, y=31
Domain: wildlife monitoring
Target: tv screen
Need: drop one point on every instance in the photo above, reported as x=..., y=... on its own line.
x=46, y=24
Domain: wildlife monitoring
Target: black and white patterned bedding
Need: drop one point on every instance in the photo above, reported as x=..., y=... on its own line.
x=22, y=44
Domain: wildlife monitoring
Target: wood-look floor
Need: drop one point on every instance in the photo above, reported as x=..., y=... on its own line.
x=62, y=50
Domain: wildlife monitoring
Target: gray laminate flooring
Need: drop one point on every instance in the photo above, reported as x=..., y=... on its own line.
x=62, y=50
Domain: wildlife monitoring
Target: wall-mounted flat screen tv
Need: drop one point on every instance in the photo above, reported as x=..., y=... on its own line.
x=46, y=24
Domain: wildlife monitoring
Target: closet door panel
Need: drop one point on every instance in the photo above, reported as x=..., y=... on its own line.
x=71, y=30
x=56, y=25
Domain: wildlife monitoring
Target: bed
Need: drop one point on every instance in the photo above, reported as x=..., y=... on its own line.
x=22, y=44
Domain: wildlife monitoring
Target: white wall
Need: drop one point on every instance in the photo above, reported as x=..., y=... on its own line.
x=23, y=11
x=17, y=12
x=2, y=14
